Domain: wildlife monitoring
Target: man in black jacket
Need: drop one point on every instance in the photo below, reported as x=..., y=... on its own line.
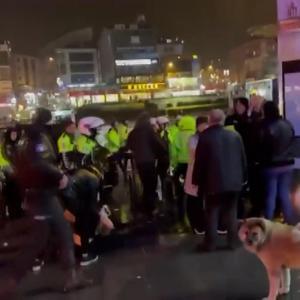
x=275, y=137
x=147, y=147
x=220, y=172
x=38, y=175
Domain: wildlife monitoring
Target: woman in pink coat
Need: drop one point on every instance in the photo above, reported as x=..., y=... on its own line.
x=195, y=208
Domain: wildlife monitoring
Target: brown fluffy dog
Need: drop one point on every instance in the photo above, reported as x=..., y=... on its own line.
x=277, y=246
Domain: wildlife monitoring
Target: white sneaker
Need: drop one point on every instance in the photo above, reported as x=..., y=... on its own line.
x=199, y=232
x=88, y=259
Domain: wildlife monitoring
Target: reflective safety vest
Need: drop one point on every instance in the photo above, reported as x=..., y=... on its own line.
x=186, y=129
x=85, y=145
x=3, y=161
x=123, y=133
x=230, y=128
x=65, y=144
x=113, y=141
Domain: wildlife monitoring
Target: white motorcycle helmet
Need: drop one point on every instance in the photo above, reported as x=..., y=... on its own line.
x=85, y=124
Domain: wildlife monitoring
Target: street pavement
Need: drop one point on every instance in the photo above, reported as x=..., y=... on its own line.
x=150, y=266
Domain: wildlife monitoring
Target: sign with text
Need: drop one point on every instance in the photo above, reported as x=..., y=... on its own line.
x=288, y=9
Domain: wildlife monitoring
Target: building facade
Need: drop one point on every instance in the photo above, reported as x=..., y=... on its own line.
x=6, y=86
x=25, y=71
x=129, y=58
x=77, y=67
x=254, y=60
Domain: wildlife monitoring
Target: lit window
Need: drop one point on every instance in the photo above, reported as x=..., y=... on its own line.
x=135, y=39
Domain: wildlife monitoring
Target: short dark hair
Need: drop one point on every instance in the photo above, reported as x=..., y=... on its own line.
x=271, y=111
x=243, y=100
x=200, y=120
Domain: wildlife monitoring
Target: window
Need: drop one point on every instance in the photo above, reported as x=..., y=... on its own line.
x=82, y=68
x=62, y=68
x=26, y=70
x=5, y=74
x=135, y=39
x=33, y=68
x=82, y=78
x=81, y=56
x=3, y=58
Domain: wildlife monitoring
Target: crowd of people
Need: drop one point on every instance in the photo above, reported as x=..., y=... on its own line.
x=223, y=168
x=208, y=172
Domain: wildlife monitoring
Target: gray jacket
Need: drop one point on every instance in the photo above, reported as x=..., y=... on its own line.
x=220, y=162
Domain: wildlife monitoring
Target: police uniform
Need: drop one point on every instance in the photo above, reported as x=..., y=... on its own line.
x=113, y=141
x=67, y=149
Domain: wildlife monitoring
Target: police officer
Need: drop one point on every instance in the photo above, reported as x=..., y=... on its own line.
x=113, y=138
x=123, y=132
x=186, y=129
x=37, y=173
x=163, y=162
x=67, y=146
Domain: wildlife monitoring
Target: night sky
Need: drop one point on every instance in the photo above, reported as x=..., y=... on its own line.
x=209, y=27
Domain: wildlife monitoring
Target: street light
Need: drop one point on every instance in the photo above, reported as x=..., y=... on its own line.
x=170, y=65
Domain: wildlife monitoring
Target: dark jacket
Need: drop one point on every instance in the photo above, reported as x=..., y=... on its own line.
x=145, y=144
x=220, y=162
x=275, y=138
x=244, y=126
x=35, y=165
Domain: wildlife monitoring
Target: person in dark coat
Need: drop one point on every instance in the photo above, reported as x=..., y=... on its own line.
x=275, y=137
x=220, y=172
x=39, y=176
x=147, y=147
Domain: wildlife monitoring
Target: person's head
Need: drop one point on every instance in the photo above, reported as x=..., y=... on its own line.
x=42, y=116
x=271, y=111
x=216, y=117
x=124, y=122
x=256, y=103
x=143, y=120
x=241, y=106
x=69, y=127
x=201, y=124
x=162, y=122
x=154, y=124
x=114, y=124
x=13, y=134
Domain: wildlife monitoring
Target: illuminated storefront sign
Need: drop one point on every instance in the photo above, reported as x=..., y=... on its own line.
x=289, y=14
x=143, y=86
x=288, y=9
x=135, y=62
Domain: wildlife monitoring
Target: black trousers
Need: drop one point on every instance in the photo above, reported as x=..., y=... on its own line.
x=180, y=172
x=87, y=216
x=13, y=196
x=225, y=204
x=195, y=212
x=256, y=191
x=148, y=175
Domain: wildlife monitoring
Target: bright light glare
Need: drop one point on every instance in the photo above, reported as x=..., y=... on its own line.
x=170, y=64
x=135, y=62
x=51, y=59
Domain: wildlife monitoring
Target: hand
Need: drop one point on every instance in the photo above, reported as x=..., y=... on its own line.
x=63, y=182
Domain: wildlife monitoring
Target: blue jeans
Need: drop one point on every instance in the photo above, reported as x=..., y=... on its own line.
x=277, y=185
